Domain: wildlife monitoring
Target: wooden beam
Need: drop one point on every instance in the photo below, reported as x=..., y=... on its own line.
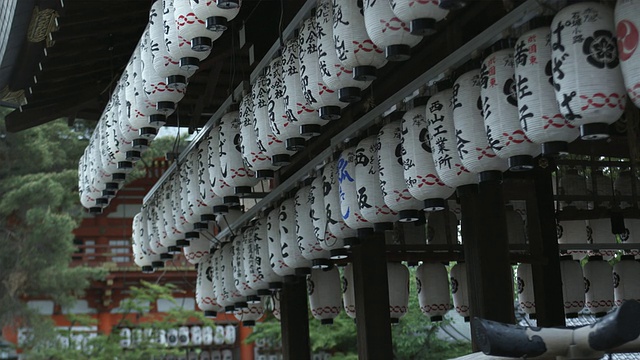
x=34, y=116
x=295, y=320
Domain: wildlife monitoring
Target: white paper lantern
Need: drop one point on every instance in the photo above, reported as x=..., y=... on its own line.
x=586, y=73
x=240, y=279
x=182, y=192
x=398, y=278
x=540, y=116
x=205, y=298
x=191, y=29
x=599, y=232
x=267, y=142
x=318, y=96
x=526, y=298
x=344, y=236
x=370, y=199
x=183, y=336
x=631, y=234
x=277, y=115
x=323, y=287
x=192, y=167
x=216, y=17
x=500, y=111
x=625, y=280
x=197, y=250
x=205, y=197
x=250, y=314
x=303, y=120
x=444, y=140
x=350, y=209
x=291, y=254
x=229, y=335
x=355, y=48
x=460, y=289
x=225, y=220
x=234, y=171
x=173, y=213
x=573, y=232
x=387, y=31
x=627, y=18
x=421, y=15
x=573, y=289
x=255, y=160
x=154, y=231
x=598, y=284
x=227, y=354
x=196, y=335
x=442, y=225
x=218, y=335
x=276, y=245
x=226, y=293
x=432, y=282
x=348, y=291
x=275, y=300
x=180, y=47
x=125, y=337
x=207, y=335
x=140, y=257
x=394, y=188
x=573, y=183
x=172, y=337
x=318, y=214
x=224, y=192
x=263, y=276
x=308, y=243
x=336, y=75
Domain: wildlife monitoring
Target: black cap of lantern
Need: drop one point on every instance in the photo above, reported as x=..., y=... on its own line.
x=109, y=194
x=231, y=201
x=228, y=4
x=399, y=52
x=408, y=215
x=595, y=258
x=350, y=94
x=326, y=321
x=191, y=235
x=95, y=210
x=210, y=313
x=540, y=21
x=444, y=84
x=148, y=132
x=165, y=107
x=594, y=131
x=276, y=285
x=201, y=43
x=521, y=163
x=217, y=23
x=502, y=44
x=471, y=64
x=365, y=73
x=207, y=217
x=328, y=113
x=419, y=100
x=102, y=202
x=189, y=63
x=243, y=190
x=555, y=148
x=249, y=323
x=436, y=318
x=280, y=159
x=265, y=174
x=382, y=226
x=363, y=233
x=112, y=186
x=125, y=165
x=452, y=4
x=133, y=155
x=182, y=243
x=423, y=26
x=200, y=226
x=338, y=254
x=351, y=241
x=173, y=249
x=119, y=177
x=490, y=175
x=422, y=219
x=321, y=264
x=308, y=181
x=157, y=119
x=295, y=143
x=220, y=209
x=571, y=315
x=467, y=319
x=166, y=256
x=310, y=130
x=532, y=316
x=241, y=305
x=140, y=143
x=396, y=115
x=263, y=292
x=303, y=271
x=229, y=308
x=176, y=82
x=157, y=264
x=147, y=269
x=435, y=204
x=253, y=299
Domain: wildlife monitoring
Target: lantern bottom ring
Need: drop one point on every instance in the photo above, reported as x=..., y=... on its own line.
x=423, y=26
x=321, y=264
x=365, y=73
x=382, y=227
x=399, y=52
x=350, y=94
x=201, y=43
x=436, y=204
x=217, y=23
x=210, y=313
x=147, y=269
x=310, y=130
x=555, y=148
x=265, y=174
x=338, y=254
x=281, y=160
x=594, y=131
x=295, y=144
x=521, y=163
x=329, y=112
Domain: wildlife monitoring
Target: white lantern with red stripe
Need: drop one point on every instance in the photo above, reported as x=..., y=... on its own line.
x=225, y=193
x=215, y=16
x=398, y=278
x=232, y=297
x=469, y=124
x=500, y=110
x=269, y=133
x=291, y=253
x=304, y=121
x=526, y=298
x=627, y=18
x=157, y=260
x=355, y=48
x=336, y=75
x=626, y=273
x=573, y=289
x=445, y=148
x=323, y=287
x=394, y=188
x=573, y=232
x=192, y=165
x=540, y=116
x=432, y=282
x=140, y=258
x=370, y=199
x=420, y=173
x=250, y=315
x=168, y=213
x=234, y=171
x=598, y=282
x=344, y=235
x=206, y=197
x=255, y=160
x=240, y=279
x=460, y=289
x=191, y=29
x=275, y=245
x=389, y=32
x=348, y=291
x=197, y=249
x=204, y=289
x=350, y=209
x=422, y=15
x=260, y=275
x=179, y=46
x=586, y=68
x=308, y=243
x=318, y=96
x=318, y=214
x=187, y=218
x=155, y=230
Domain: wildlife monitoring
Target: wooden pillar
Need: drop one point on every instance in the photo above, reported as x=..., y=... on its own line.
x=486, y=252
x=105, y=323
x=372, y=298
x=295, y=319
x=246, y=350
x=543, y=242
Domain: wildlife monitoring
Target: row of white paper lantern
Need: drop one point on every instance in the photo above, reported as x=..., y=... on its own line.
x=599, y=232
x=572, y=183
x=182, y=336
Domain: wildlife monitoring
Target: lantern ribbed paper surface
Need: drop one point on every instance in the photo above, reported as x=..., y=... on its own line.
x=216, y=18
x=350, y=209
x=249, y=315
x=335, y=223
x=193, y=185
x=255, y=160
x=207, y=336
x=234, y=171
x=432, y=282
x=291, y=253
x=318, y=214
x=216, y=270
x=625, y=280
x=325, y=301
x=335, y=74
x=206, y=197
x=420, y=15
x=277, y=116
x=394, y=188
x=354, y=47
x=275, y=300
x=169, y=212
x=540, y=116
x=460, y=290
x=204, y=289
x=217, y=174
x=440, y=226
x=308, y=243
x=191, y=29
x=150, y=231
x=598, y=284
x=276, y=245
x=500, y=111
x=184, y=223
x=469, y=124
x=348, y=292
x=586, y=73
x=526, y=299
x=627, y=18
x=398, y=278
x=230, y=293
x=240, y=280
x=197, y=249
x=387, y=31
x=140, y=257
x=573, y=289
x=370, y=199
x=180, y=47
x=315, y=91
x=154, y=231
x=446, y=144
x=257, y=267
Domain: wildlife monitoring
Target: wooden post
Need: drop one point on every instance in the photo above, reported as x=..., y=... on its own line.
x=372, y=298
x=543, y=242
x=295, y=319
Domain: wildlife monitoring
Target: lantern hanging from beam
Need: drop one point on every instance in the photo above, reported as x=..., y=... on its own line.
x=255, y=160
x=224, y=192
x=184, y=223
x=216, y=17
x=526, y=299
x=599, y=232
x=318, y=214
x=206, y=198
x=197, y=249
x=204, y=289
x=460, y=289
x=276, y=115
x=349, y=207
x=344, y=235
x=140, y=258
x=398, y=279
x=432, y=281
x=573, y=289
x=234, y=171
x=586, y=69
x=196, y=335
x=573, y=232
x=325, y=301
x=233, y=298
x=308, y=243
x=276, y=245
x=291, y=253
x=626, y=273
x=254, y=265
x=422, y=16
x=155, y=231
x=191, y=26
x=240, y=279
x=263, y=275
x=348, y=291
x=149, y=230
x=249, y=315
x=598, y=286
x=275, y=305
x=193, y=189
x=169, y=210
x=207, y=336
x=180, y=47
x=627, y=18
x=389, y=32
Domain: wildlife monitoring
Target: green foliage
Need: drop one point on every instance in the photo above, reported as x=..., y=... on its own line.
x=158, y=148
